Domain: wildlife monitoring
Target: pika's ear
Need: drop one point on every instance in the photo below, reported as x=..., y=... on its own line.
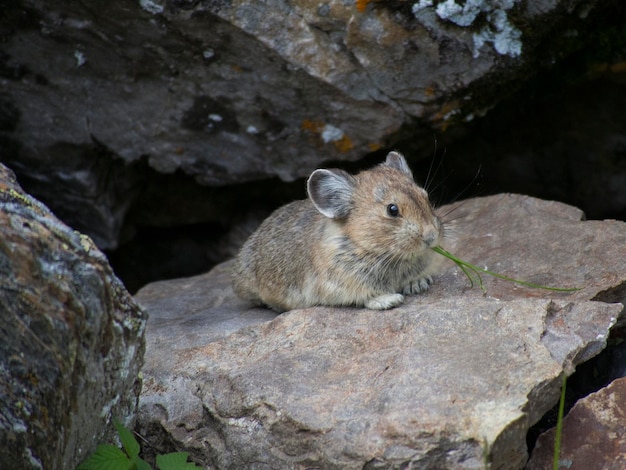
x=397, y=161
x=331, y=192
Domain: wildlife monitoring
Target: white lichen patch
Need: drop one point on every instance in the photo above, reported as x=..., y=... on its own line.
x=125, y=363
x=80, y=58
x=421, y=5
x=106, y=409
x=452, y=113
x=19, y=428
x=505, y=37
x=151, y=7
x=32, y=459
x=331, y=133
x=250, y=424
x=461, y=15
x=499, y=31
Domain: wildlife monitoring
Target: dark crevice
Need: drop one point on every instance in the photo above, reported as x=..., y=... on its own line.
x=589, y=377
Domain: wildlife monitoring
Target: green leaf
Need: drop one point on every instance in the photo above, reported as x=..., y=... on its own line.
x=131, y=446
x=475, y=270
x=141, y=464
x=175, y=461
x=106, y=457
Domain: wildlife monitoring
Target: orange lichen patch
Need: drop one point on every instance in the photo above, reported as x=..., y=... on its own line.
x=33, y=379
x=344, y=144
x=361, y=5
x=444, y=114
x=429, y=91
x=447, y=108
x=373, y=146
x=312, y=126
x=620, y=67
x=236, y=68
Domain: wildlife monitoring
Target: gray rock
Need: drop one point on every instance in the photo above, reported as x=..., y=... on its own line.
x=235, y=91
x=452, y=379
x=71, y=341
x=544, y=242
x=179, y=310
x=593, y=436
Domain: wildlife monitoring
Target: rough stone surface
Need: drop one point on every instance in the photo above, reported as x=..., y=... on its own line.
x=235, y=91
x=71, y=338
x=593, y=436
x=179, y=310
x=544, y=242
x=451, y=379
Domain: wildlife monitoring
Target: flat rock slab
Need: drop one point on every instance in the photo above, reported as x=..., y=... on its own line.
x=544, y=242
x=454, y=378
x=594, y=433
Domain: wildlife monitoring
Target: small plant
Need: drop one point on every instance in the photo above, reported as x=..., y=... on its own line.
x=473, y=274
x=110, y=457
x=559, y=426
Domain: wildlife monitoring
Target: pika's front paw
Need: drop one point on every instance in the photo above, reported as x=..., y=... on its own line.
x=417, y=286
x=383, y=302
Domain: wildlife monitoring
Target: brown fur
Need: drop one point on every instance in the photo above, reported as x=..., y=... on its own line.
x=341, y=246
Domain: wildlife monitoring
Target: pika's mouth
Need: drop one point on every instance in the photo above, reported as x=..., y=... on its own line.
x=432, y=237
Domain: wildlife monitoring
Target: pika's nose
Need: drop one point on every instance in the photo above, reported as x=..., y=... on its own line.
x=431, y=236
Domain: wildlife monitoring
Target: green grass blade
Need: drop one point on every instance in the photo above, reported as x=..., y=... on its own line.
x=470, y=275
x=559, y=426
x=464, y=265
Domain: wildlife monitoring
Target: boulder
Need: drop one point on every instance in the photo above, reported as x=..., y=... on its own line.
x=227, y=92
x=453, y=378
x=593, y=436
x=71, y=340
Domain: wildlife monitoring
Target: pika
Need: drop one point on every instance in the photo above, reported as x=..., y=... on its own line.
x=358, y=240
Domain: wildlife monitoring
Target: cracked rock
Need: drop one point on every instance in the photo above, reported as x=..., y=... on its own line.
x=71, y=339
x=453, y=378
x=593, y=436
x=235, y=91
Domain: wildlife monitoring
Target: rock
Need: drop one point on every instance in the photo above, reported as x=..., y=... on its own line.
x=71, y=341
x=545, y=242
x=593, y=436
x=350, y=388
x=451, y=379
x=85, y=185
x=227, y=92
x=179, y=310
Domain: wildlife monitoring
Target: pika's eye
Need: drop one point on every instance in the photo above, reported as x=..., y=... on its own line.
x=392, y=210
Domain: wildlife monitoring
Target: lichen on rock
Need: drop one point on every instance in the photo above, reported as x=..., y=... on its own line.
x=499, y=31
x=71, y=341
